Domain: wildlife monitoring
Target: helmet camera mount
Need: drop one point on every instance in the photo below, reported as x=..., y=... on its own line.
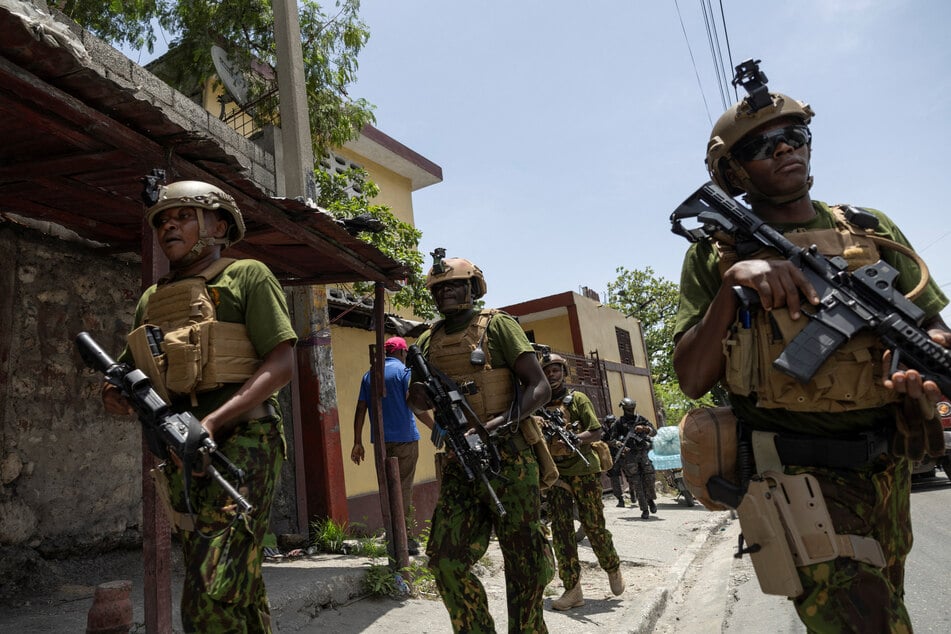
x=753, y=80
x=438, y=255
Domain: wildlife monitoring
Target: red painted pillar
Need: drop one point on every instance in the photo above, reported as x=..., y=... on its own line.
x=317, y=446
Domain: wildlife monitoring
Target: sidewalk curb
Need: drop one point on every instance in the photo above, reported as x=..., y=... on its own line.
x=649, y=613
x=298, y=591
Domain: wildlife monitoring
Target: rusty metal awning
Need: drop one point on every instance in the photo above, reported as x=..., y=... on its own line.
x=77, y=136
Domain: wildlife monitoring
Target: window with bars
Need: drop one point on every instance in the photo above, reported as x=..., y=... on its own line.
x=624, y=346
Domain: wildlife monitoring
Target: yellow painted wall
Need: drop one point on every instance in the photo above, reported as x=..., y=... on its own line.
x=598, y=322
x=395, y=190
x=554, y=332
x=351, y=362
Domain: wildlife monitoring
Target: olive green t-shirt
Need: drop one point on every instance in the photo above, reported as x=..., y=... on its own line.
x=700, y=280
x=244, y=293
x=582, y=418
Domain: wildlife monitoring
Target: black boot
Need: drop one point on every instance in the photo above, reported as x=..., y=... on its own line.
x=620, y=503
x=652, y=506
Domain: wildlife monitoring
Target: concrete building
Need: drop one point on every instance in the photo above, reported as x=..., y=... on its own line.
x=604, y=347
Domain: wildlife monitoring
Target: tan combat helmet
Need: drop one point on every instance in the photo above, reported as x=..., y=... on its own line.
x=448, y=269
x=759, y=107
x=550, y=359
x=204, y=196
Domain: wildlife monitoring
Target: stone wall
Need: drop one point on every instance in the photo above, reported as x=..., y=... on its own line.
x=70, y=474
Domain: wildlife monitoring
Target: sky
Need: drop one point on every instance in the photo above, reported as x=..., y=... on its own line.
x=568, y=131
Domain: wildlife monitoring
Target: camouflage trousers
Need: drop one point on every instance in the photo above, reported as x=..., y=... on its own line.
x=585, y=490
x=844, y=595
x=223, y=589
x=639, y=472
x=461, y=527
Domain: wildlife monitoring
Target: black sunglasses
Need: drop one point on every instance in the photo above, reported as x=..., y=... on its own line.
x=763, y=146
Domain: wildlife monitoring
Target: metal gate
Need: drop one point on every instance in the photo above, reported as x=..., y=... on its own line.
x=588, y=375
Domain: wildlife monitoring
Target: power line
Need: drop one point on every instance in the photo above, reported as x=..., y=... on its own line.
x=694, y=62
x=717, y=67
x=935, y=241
x=729, y=51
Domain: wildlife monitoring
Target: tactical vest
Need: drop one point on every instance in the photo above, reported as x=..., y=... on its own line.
x=490, y=391
x=197, y=353
x=850, y=379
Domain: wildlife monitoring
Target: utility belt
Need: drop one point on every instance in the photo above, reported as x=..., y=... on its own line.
x=833, y=453
x=784, y=519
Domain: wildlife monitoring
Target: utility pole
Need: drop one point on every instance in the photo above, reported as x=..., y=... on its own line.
x=295, y=123
x=317, y=445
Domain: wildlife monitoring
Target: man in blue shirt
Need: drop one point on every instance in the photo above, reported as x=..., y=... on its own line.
x=400, y=435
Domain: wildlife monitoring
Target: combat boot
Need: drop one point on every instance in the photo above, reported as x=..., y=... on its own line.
x=616, y=580
x=652, y=506
x=620, y=503
x=570, y=599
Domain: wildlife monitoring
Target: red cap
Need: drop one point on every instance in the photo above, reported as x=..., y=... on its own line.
x=395, y=343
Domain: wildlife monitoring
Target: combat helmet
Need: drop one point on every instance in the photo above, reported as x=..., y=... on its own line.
x=627, y=403
x=449, y=269
x=204, y=196
x=552, y=358
x=758, y=107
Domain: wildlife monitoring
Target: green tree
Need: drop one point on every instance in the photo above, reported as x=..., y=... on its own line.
x=348, y=195
x=331, y=42
x=652, y=300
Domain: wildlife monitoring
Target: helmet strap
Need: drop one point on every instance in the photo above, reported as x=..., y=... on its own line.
x=204, y=240
x=754, y=195
x=469, y=304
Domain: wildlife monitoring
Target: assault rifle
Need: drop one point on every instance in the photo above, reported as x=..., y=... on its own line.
x=164, y=430
x=849, y=302
x=452, y=413
x=555, y=426
x=632, y=435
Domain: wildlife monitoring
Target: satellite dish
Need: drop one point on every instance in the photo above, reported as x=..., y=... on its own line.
x=230, y=75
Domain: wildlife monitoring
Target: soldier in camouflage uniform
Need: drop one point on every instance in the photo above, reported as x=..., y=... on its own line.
x=851, y=426
x=578, y=483
x=487, y=350
x=634, y=461
x=223, y=587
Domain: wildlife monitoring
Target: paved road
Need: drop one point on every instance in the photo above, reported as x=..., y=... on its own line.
x=721, y=593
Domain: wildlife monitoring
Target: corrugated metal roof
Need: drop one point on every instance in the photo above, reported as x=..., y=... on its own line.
x=78, y=137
